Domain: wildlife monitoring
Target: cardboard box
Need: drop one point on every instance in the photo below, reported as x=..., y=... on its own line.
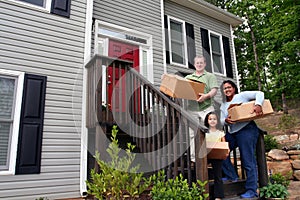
x=242, y=112
x=217, y=150
x=179, y=87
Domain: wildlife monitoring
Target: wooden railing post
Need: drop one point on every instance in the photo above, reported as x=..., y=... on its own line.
x=201, y=159
x=261, y=160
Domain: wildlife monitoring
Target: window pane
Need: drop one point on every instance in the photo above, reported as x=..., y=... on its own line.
x=217, y=62
x=7, y=93
x=4, y=143
x=177, y=53
x=176, y=31
x=41, y=3
x=7, y=88
x=215, y=43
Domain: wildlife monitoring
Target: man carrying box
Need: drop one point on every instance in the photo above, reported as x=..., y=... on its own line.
x=204, y=104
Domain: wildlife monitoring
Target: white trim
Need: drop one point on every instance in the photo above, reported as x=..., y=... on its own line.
x=163, y=35
x=16, y=120
x=184, y=42
x=31, y=6
x=234, y=58
x=222, y=52
x=84, y=131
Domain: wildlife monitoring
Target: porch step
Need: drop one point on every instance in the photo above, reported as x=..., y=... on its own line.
x=232, y=190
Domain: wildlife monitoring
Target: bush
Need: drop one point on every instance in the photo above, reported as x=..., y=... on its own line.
x=278, y=178
x=176, y=189
x=273, y=190
x=117, y=179
x=270, y=142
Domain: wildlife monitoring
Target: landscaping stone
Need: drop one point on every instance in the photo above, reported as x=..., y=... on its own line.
x=296, y=175
x=296, y=164
x=293, y=189
x=293, y=152
x=278, y=154
x=295, y=157
x=282, y=167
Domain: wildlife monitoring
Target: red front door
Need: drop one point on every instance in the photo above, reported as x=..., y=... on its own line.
x=122, y=51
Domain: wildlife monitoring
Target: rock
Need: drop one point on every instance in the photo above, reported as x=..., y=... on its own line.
x=295, y=147
x=282, y=167
x=295, y=157
x=278, y=154
x=296, y=175
x=296, y=164
x=293, y=189
x=282, y=138
x=294, y=136
x=293, y=152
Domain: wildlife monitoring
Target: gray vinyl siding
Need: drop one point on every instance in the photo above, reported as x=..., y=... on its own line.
x=199, y=20
x=37, y=42
x=143, y=16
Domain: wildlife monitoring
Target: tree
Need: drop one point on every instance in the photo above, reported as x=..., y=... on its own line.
x=267, y=46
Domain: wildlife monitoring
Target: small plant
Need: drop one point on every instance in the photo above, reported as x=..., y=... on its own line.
x=176, y=189
x=278, y=178
x=270, y=142
x=118, y=179
x=273, y=190
x=276, y=188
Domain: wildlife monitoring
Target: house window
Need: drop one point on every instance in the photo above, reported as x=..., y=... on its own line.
x=41, y=3
x=11, y=86
x=217, y=55
x=177, y=42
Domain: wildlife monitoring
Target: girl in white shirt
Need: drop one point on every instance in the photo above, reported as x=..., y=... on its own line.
x=215, y=135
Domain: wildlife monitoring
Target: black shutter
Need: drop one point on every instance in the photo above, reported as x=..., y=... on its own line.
x=61, y=7
x=190, y=40
x=167, y=40
x=31, y=125
x=228, y=63
x=205, y=48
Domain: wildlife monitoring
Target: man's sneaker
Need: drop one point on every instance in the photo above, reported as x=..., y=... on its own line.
x=249, y=194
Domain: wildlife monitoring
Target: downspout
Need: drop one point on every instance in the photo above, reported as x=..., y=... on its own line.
x=84, y=131
x=162, y=13
x=234, y=59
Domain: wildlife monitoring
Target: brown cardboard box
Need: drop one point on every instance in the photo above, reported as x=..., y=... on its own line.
x=179, y=87
x=217, y=150
x=242, y=112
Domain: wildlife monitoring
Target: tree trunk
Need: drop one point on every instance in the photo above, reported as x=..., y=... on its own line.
x=283, y=99
x=255, y=54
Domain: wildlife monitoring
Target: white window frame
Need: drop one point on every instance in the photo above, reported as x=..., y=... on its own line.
x=185, y=56
x=46, y=7
x=16, y=119
x=210, y=33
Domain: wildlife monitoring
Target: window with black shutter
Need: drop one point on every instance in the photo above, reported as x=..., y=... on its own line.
x=216, y=50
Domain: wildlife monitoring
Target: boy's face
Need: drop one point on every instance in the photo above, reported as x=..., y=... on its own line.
x=199, y=64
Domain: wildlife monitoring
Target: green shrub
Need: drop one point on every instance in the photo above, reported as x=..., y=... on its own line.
x=118, y=179
x=270, y=142
x=176, y=189
x=278, y=178
x=273, y=190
